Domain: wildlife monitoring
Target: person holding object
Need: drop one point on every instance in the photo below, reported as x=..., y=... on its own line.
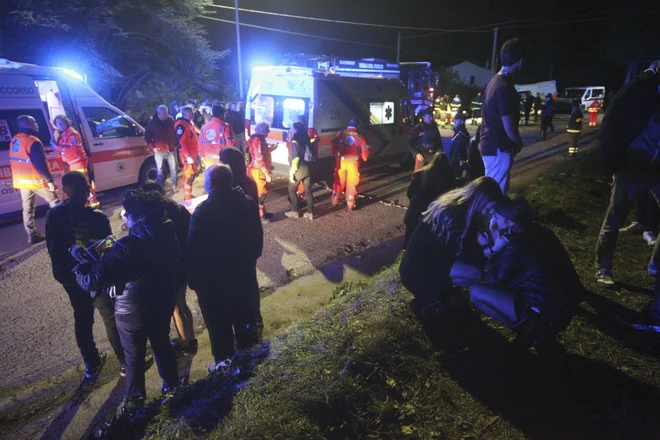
x=143, y=267
x=161, y=138
x=30, y=173
x=300, y=156
x=500, y=137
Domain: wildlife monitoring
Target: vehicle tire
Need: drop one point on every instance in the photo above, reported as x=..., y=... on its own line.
x=148, y=170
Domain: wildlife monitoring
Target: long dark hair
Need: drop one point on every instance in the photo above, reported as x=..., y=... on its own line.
x=438, y=172
x=301, y=135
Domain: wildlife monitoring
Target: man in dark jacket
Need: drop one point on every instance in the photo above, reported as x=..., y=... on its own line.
x=224, y=242
x=67, y=224
x=458, y=152
x=142, y=267
x=160, y=136
x=574, y=127
x=528, y=104
x=629, y=137
x=425, y=140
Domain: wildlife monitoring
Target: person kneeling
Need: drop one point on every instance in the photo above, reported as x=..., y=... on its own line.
x=531, y=284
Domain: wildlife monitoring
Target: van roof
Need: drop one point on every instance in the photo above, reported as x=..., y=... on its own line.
x=368, y=72
x=584, y=87
x=33, y=69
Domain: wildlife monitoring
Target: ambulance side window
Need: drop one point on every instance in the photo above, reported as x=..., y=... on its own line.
x=105, y=123
x=9, y=127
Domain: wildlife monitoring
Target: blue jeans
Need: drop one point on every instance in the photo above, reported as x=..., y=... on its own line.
x=169, y=158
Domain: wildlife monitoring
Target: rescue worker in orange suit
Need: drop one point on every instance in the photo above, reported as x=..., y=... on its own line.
x=186, y=136
x=30, y=173
x=349, y=148
x=74, y=156
x=594, y=108
x=260, y=165
x=424, y=140
x=215, y=135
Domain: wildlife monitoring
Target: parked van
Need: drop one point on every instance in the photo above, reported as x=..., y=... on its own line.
x=586, y=95
x=328, y=96
x=114, y=142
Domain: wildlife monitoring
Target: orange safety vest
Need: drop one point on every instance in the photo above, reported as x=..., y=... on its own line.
x=260, y=154
x=70, y=145
x=594, y=107
x=348, y=144
x=188, y=139
x=24, y=174
x=215, y=135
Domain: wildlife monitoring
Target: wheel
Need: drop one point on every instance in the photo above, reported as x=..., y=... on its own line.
x=148, y=171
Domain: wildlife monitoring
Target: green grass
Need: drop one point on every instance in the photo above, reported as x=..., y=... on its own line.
x=363, y=368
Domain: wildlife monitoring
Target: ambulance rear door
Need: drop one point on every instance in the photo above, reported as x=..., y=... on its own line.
x=20, y=96
x=118, y=149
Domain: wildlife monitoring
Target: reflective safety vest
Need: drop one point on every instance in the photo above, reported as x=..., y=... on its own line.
x=348, y=144
x=188, y=140
x=260, y=153
x=594, y=107
x=70, y=145
x=215, y=135
x=24, y=174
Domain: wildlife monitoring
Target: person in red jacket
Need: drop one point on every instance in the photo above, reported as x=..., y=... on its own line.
x=188, y=142
x=215, y=135
x=260, y=165
x=594, y=108
x=74, y=156
x=348, y=147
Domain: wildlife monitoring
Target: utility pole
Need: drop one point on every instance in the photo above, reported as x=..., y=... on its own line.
x=493, y=57
x=238, y=51
x=398, y=47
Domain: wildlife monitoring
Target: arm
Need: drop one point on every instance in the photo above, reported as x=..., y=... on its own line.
x=38, y=158
x=413, y=141
x=511, y=127
x=149, y=133
x=334, y=145
x=364, y=149
x=116, y=267
x=230, y=138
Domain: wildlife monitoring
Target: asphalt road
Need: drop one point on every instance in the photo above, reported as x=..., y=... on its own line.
x=36, y=334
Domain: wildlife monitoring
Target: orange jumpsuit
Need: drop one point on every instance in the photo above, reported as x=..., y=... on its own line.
x=260, y=167
x=593, y=113
x=188, y=143
x=215, y=135
x=75, y=158
x=348, y=147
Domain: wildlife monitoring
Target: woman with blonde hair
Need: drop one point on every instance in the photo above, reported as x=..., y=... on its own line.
x=449, y=228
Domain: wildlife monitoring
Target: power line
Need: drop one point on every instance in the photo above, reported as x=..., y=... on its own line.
x=300, y=34
x=582, y=20
x=327, y=20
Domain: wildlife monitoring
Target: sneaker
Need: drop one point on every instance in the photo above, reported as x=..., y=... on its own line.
x=633, y=228
x=221, y=366
x=36, y=238
x=649, y=237
x=292, y=214
x=92, y=373
x=604, y=277
x=308, y=215
x=148, y=362
x=264, y=221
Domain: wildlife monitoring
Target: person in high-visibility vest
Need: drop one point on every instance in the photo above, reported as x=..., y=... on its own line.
x=30, y=173
x=349, y=148
x=215, y=135
x=594, y=108
x=261, y=165
x=73, y=154
x=574, y=127
x=186, y=136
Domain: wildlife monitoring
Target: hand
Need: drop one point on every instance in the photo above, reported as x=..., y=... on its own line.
x=419, y=157
x=292, y=178
x=484, y=238
x=190, y=160
x=500, y=242
x=51, y=187
x=269, y=178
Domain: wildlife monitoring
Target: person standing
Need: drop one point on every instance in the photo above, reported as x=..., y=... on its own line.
x=477, y=103
x=30, y=173
x=74, y=222
x=261, y=165
x=143, y=266
x=574, y=128
x=186, y=137
x=500, y=138
x=547, y=114
x=455, y=104
x=237, y=122
x=300, y=156
x=594, y=108
x=424, y=140
x=234, y=159
x=528, y=104
x=458, y=151
x=538, y=103
x=348, y=147
x=224, y=242
x=161, y=137
x=215, y=135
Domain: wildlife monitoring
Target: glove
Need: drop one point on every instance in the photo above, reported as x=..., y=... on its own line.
x=190, y=160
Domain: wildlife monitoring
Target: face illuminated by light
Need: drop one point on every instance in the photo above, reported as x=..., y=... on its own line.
x=488, y=208
x=427, y=118
x=162, y=113
x=61, y=124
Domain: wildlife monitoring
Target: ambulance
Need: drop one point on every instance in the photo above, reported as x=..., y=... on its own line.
x=328, y=92
x=113, y=141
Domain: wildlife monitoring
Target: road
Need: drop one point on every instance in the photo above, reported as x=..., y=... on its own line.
x=36, y=337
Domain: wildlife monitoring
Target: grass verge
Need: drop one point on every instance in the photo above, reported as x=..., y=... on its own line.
x=363, y=368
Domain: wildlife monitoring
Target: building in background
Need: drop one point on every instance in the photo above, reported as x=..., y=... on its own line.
x=472, y=74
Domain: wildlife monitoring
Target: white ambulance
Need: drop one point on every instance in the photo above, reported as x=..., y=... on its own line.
x=113, y=141
x=328, y=95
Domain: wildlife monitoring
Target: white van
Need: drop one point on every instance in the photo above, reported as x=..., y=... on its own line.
x=329, y=97
x=113, y=141
x=586, y=95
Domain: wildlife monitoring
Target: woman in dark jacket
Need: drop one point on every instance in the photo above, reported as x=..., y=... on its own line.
x=428, y=183
x=233, y=158
x=448, y=229
x=531, y=283
x=143, y=268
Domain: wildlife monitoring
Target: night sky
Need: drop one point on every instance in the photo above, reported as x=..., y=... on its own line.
x=590, y=53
